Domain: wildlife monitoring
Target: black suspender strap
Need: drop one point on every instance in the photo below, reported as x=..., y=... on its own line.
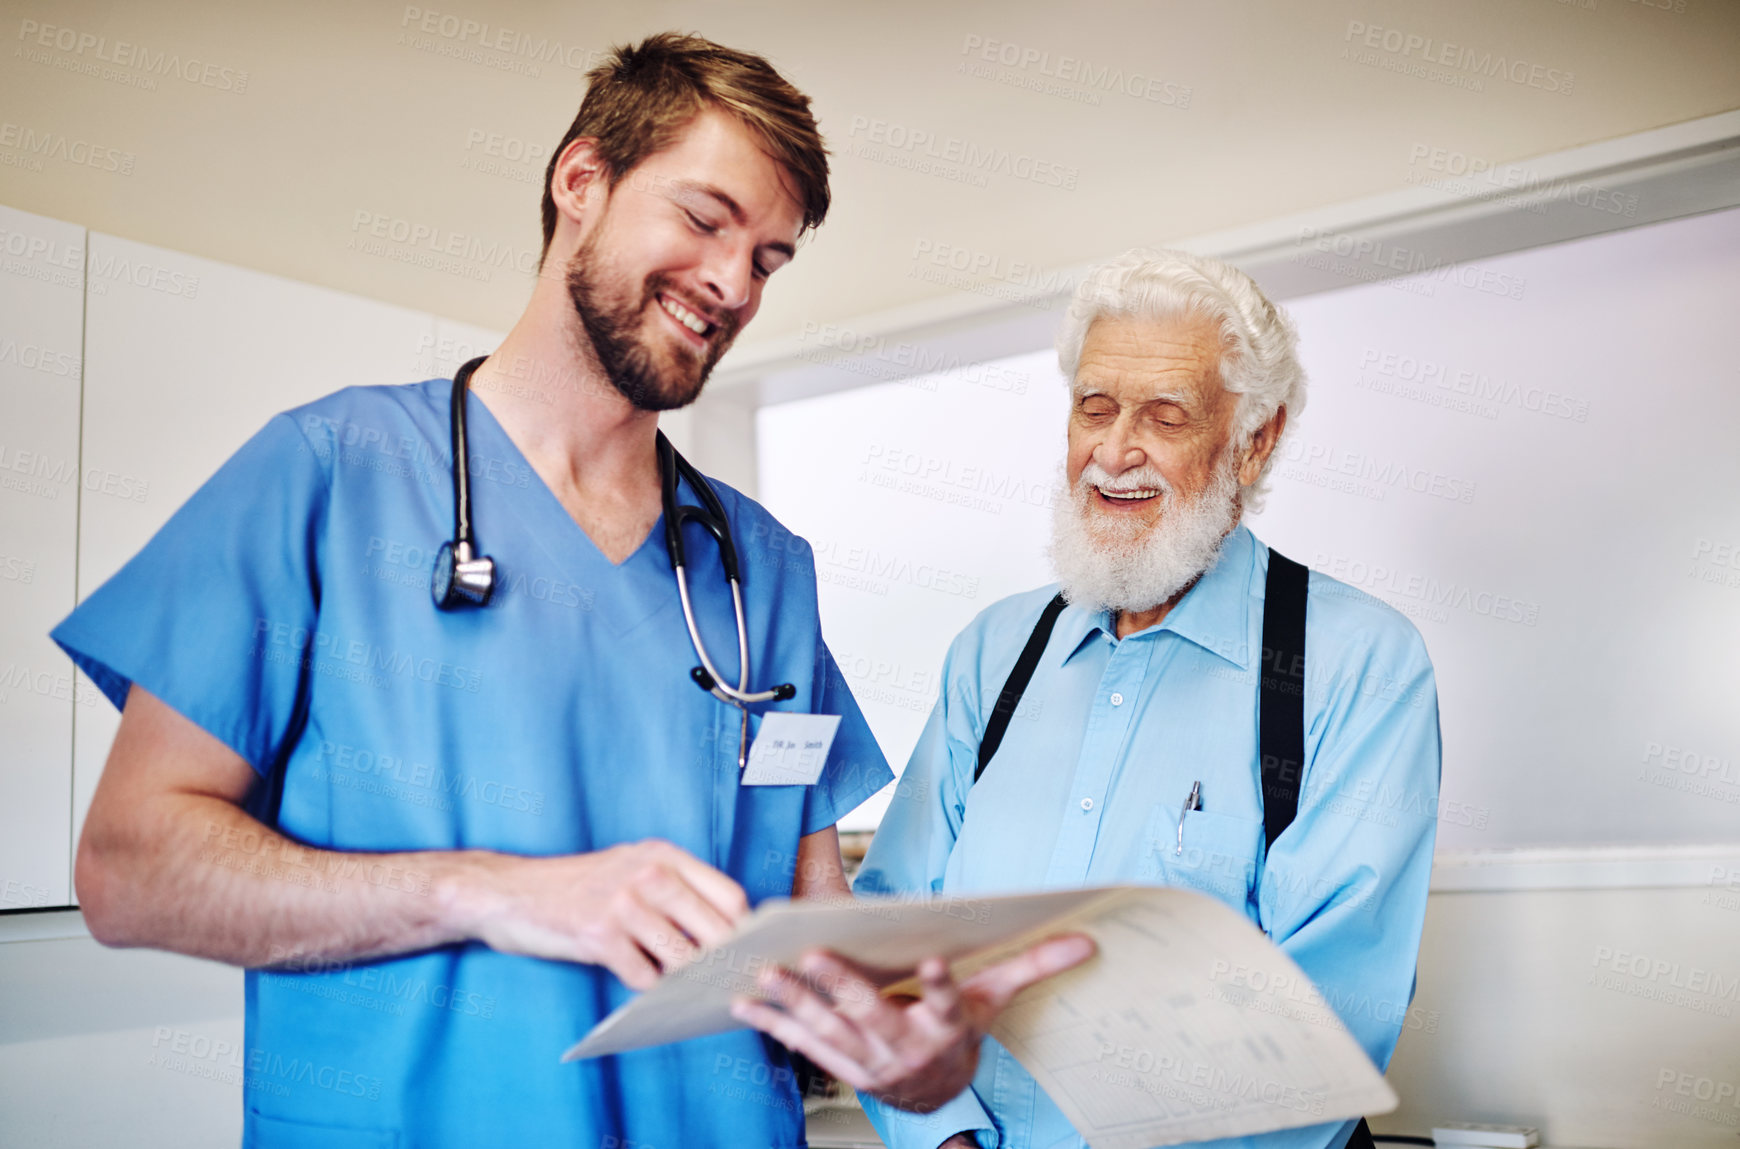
x=1017, y=683
x=1281, y=715
x=1281, y=693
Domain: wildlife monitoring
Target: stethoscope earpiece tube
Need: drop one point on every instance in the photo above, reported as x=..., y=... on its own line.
x=461, y=454
x=668, y=496
x=711, y=516
x=462, y=577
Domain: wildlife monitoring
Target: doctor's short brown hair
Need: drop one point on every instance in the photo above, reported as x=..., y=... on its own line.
x=642, y=97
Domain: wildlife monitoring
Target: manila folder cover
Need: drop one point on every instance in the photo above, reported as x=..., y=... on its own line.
x=1188, y=1025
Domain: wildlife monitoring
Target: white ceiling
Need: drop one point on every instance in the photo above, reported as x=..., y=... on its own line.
x=1260, y=109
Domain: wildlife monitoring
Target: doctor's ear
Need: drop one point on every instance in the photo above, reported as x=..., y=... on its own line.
x=579, y=180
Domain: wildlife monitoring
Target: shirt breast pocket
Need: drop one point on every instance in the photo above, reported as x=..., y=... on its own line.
x=1218, y=855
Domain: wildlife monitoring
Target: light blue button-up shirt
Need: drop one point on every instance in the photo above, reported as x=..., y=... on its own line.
x=1089, y=782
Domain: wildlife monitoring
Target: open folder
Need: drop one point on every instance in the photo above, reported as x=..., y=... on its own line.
x=1188, y=1025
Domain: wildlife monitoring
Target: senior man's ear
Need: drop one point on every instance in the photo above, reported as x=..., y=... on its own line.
x=1262, y=446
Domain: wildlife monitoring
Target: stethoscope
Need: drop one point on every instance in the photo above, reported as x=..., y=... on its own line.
x=464, y=578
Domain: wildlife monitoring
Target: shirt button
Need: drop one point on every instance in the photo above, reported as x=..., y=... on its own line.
x=1087, y=803
x=1117, y=699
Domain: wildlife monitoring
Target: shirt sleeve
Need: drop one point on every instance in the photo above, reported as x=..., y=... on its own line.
x=908, y=856
x=216, y=614
x=1344, y=890
x=911, y=849
x=856, y=766
x=900, y=1129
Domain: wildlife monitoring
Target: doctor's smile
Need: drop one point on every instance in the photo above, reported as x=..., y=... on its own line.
x=691, y=322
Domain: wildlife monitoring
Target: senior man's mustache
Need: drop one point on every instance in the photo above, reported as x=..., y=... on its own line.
x=1144, y=482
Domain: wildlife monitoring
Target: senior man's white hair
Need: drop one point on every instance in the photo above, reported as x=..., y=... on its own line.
x=1259, y=360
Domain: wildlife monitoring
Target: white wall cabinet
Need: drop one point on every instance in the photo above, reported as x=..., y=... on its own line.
x=128, y=374
x=41, y=325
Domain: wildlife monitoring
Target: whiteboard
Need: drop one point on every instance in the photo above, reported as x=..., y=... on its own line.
x=925, y=502
x=1544, y=477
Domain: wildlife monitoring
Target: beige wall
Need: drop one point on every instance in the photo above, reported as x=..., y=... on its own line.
x=1604, y=1017
x=287, y=124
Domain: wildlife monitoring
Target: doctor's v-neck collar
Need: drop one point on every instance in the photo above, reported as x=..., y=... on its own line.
x=627, y=593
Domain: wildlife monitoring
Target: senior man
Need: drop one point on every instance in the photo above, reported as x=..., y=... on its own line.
x=1203, y=711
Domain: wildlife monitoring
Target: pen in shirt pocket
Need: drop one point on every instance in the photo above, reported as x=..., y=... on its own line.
x=1192, y=801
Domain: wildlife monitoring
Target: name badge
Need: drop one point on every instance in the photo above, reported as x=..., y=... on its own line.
x=790, y=749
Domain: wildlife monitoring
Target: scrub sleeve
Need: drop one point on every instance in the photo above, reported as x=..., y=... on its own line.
x=193, y=616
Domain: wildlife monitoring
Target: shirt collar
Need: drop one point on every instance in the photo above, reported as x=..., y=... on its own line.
x=1214, y=614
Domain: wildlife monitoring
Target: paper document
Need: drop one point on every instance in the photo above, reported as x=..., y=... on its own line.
x=1189, y=1024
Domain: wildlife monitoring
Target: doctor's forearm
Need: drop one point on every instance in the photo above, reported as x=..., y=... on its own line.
x=169, y=859
x=197, y=875
x=215, y=883
x=820, y=871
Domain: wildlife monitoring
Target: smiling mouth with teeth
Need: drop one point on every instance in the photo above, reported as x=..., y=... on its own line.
x=686, y=317
x=1135, y=496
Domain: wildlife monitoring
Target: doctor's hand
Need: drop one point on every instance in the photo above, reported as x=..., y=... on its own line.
x=640, y=909
x=914, y=1053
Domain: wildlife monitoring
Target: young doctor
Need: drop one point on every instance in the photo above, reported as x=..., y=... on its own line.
x=447, y=842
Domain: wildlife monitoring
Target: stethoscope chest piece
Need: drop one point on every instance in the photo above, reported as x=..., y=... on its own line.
x=460, y=579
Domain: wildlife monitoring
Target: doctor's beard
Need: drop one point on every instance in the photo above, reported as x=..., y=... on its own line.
x=1105, y=562
x=614, y=321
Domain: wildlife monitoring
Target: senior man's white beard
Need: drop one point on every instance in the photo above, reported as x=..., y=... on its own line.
x=1106, y=561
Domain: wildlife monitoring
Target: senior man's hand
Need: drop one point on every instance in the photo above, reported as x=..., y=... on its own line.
x=914, y=1053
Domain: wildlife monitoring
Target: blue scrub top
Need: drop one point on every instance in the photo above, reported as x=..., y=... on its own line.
x=561, y=719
